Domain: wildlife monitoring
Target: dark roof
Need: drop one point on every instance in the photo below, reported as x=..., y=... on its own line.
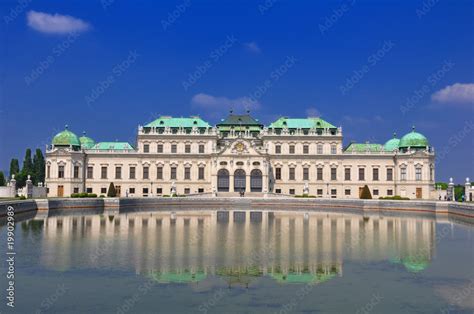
x=239, y=119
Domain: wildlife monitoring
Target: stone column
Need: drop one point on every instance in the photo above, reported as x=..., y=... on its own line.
x=467, y=190
x=231, y=182
x=13, y=186
x=29, y=187
x=450, y=191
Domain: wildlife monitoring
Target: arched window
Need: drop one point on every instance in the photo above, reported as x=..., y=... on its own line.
x=239, y=180
x=223, y=180
x=256, y=180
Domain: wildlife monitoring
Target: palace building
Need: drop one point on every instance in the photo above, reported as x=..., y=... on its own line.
x=240, y=154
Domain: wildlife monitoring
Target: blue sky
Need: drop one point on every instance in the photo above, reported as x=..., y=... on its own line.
x=372, y=67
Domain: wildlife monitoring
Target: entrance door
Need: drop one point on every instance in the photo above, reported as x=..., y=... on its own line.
x=223, y=180
x=419, y=193
x=239, y=180
x=60, y=191
x=256, y=181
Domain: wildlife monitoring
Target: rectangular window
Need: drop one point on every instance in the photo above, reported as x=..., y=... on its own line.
x=88, y=190
x=173, y=173
x=76, y=172
x=319, y=192
x=305, y=173
x=319, y=174
x=200, y=190
x=90, y=172
x=347, y=191
x=278, y=191
x=333, y=174
x=187, y=190
x=333, y=193
x=103, y=190
x=159, y=148
x=187, y=148
x=292, y=174
x=390, y=192
x=159, y=191
x=320, y=149
x=403, y=174
x=103, y=172
x=145, y=191
x=159, y=173
x=174, y=148
x=118, y=172
x=146, y=148
x=418, y=174
x=75, y=190
x=376, y=192
x=61, y=172
x=277, y=173
x=375, y=174
x=305, y=149
x=133, y=171
x=201, y=149
x=132, y=190
x=292, y=191
x=277, y=149
x=48, y=171
x=292, y=149
x=389, y=174
x=361, y=174
x=347, y=174
x=201, y=173
x=146, y=172
x=333, y=149
x=187, y=173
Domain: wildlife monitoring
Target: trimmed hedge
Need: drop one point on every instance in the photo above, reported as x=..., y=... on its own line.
x=395, y=198
x=305, y=196
x=83, y=195
x=365, y=194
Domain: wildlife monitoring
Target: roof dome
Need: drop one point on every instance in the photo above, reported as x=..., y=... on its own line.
x=414, y=139
x=392, y=144
x=85, y=141
x=66, y=138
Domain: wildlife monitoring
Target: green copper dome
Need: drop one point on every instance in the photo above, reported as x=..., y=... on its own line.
x=86, y=142
x=392, y=144
x=66, y=138
x=414, y=140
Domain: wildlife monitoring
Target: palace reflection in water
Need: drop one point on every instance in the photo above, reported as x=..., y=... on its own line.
x=189, y=246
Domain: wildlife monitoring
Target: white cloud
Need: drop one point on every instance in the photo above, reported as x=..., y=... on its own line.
x=215, y=103
x=252, y=47
x=55, y=23
x=313, y=112
x=455, y=94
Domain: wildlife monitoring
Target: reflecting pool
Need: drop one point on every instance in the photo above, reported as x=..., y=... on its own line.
x=238, y=261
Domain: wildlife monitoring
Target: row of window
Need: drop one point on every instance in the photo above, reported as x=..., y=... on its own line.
x=347, y=192
x=146, y=173
x=347, y=174
x=132, y=191
x=174, y=148
x=319, y=149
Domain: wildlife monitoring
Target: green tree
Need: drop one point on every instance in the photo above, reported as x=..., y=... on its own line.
x=38, y=167
x=2, y=179
x=26, y=170
x=111, y=192
x=365, y=194
x=14, y=167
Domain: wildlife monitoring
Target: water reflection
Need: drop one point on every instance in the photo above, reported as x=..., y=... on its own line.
x=238, y=246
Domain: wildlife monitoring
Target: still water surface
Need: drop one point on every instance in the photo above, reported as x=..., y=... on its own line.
x=242, y=262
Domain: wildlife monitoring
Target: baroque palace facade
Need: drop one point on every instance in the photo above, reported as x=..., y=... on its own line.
x=289, y=156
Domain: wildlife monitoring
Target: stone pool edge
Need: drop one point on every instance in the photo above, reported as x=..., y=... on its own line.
x=462, y=210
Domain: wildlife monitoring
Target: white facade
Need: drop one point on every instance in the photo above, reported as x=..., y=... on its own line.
x=228, y=159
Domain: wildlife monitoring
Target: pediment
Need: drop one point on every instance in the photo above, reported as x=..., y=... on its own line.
x=240, y=147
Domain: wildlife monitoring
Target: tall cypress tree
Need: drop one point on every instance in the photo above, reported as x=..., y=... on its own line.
x=2, y=179
x=38, y=167
x=27, y=163
x=14, y=167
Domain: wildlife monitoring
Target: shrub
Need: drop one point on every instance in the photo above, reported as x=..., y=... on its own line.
x=365, y=194
x=305, y=196
x=395, y=198
x=91, y=195
x=111, y=192
x=102, y=195
x=74, y=195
